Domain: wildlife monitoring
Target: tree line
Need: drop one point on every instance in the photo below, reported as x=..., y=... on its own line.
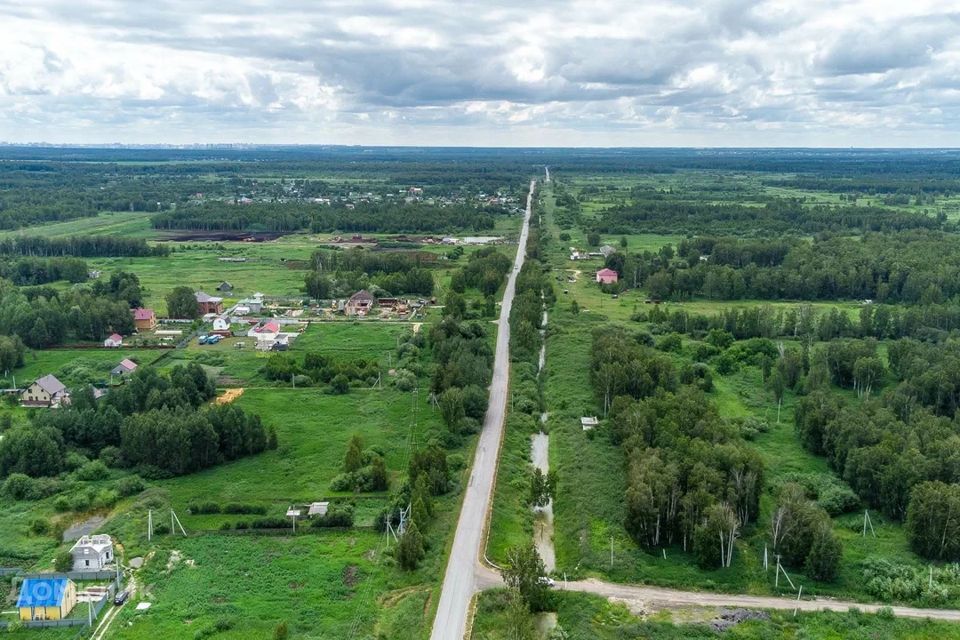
x=89, y=246
x=928, y=323
x=911, y=267
x=361, y=218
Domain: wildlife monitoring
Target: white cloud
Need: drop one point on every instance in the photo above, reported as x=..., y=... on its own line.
x=562, y=72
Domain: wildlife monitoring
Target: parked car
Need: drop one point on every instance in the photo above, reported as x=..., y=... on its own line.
x=547, y=580
x=121, y=597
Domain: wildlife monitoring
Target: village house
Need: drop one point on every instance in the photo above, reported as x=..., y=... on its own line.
x=359, y=303
x=144, y=319
x=221, y=325
x=46, y=599
x=125, y=368
x=208, y=304
x=92, y=553
x=607, y=276
x=45, y=392
x=114, y=341
x=225, y=287
x=606, y=251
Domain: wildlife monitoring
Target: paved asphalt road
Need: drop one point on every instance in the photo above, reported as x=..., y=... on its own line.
x=460, y=580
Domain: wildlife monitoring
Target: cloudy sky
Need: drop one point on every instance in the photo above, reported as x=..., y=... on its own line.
x=533, y=72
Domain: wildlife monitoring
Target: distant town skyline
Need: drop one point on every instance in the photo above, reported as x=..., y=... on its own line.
x=732, y=73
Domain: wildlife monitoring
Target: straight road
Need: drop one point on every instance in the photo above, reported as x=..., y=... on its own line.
x=460, y=580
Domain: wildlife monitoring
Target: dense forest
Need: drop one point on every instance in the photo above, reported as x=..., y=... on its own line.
x=889, y=267
x=363, y=218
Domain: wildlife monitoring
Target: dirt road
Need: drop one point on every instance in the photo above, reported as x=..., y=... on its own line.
x=460, y=581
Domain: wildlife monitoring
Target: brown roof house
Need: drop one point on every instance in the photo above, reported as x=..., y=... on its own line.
x=208, y=304
x=359, y=303
x=144, y=319
x=45, y=392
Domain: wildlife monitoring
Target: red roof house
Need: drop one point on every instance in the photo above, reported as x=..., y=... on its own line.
x=607, y=276
x=144, y=319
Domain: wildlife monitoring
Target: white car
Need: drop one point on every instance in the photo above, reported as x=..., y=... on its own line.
x=547, y=580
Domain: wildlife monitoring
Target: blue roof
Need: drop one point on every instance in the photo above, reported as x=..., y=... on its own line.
x=42, y=592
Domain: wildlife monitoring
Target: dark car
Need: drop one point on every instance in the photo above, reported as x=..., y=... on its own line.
x=121, y=598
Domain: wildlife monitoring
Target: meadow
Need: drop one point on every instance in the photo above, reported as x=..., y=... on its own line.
x=589, y=536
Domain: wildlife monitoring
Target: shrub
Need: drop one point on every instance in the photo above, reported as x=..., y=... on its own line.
x=245, y=509
x=671, y=342
x=405, y=380
x=19, y=486
x=39, y=527
x=105, y=498
x=130, y=485
x=63, y=561
x=338, y=515
x=75, y=460
x=204, y=508
x=94, y=470
x=111, y=457
x=270, y=523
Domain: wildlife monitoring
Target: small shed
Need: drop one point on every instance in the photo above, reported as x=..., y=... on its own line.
x=126, y=367
x=589, y=422
x=318, y=509
x=221, y=324
x=225, y=287
x=114, y=341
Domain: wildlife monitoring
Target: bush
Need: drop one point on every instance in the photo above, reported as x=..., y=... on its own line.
x=39, y=527
x=94, y=470
x=111, y=457
x=671, y=342
x=105, y=498
x=338, y=515
x=130, y=485
x=63, y=561
x=61, y=504
x=204, y=508
x=405, y=380
x=340, y=384
x=242, y=525
x=75, y=460
x=19, y=486
x=270, y=523
x=245, y=509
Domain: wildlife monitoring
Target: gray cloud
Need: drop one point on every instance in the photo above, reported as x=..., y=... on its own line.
x=497, y=72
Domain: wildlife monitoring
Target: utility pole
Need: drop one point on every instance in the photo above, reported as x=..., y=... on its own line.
x=149, y=525
x=611, y=552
